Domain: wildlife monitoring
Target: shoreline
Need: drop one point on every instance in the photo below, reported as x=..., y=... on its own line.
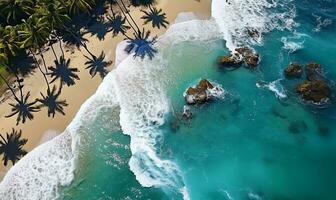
x=42, y=128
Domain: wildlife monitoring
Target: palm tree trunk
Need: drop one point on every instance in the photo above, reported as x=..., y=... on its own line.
x=38, y=65
x=126, y=17
x=60, y=46
x=53, y=50
x=4, y=140
x=10, y=88
x=44, y=63
x=59, y=42
x=130, y=16
x=83, y=44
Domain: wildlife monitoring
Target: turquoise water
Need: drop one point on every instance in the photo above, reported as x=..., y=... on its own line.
x=248, y=144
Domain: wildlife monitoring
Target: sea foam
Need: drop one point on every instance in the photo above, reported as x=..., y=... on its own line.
x=243, y=22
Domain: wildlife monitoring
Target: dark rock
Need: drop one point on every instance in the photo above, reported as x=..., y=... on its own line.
x=198, y=94
x=253, y=33
x=175, y=125
x=313, y=71
x=244, y=51
x=241, y=55
x=294, y=70
x=230, y=61
x=250, y=57
x=323, y=131
x=316, y=91
x=297, y=127
x=252, y=60
x=187, y=114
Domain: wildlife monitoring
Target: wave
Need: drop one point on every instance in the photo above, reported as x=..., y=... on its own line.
x=40, y=173
x=321, y=23
x=275, y=87
x=243, y=22
x=295, y=42
x=137, y=89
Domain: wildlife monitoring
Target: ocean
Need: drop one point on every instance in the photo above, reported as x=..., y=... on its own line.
x=255, y=140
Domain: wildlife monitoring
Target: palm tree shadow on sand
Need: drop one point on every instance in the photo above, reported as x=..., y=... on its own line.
x=62, y=71
x=98, y=65
x=11, y=147
x=52, y=102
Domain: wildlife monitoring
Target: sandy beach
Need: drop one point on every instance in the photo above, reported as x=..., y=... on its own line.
x=43, y=128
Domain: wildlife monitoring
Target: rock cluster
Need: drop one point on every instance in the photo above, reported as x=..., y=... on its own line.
x=294, y=70
x=241, y=55
x=199, y=94
x=314, y=88
x=316, y=91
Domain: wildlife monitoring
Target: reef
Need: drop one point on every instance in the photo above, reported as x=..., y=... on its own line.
x=294, y=70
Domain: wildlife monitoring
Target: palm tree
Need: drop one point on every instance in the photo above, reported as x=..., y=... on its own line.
x=144, y=3
x=157, y=17
x=118, y=24
x=55, y=14
x=141, y=45
x=22, y=64
x=98, y=65
x=8, y=38
x=77, y=6
x=15, y=10
x=52, y=103
x=33, y=35
x=23, y=109
x=12, y=147
x=64, y=72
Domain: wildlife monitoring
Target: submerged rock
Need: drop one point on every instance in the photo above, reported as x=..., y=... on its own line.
x=316, y=91
x=200, y=93
x=297, y=127
x=313, y=71
x=294, y=70
x=187, y=114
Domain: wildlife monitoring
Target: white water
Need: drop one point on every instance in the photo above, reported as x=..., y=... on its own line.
x=275, y=87
x=239, y=19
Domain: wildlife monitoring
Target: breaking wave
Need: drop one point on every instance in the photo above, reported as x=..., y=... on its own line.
x=243, y=22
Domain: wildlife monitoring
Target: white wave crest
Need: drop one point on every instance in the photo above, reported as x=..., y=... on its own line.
x=275, y=87
x=243, y=22
x=294, y=42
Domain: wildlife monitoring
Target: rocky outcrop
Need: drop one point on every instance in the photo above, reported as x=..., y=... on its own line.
x=250, y=57
x=199, y=94
x=294, y=70
x=230, y=61
x=316, y=91
x=313, y=71
x=241, y=55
